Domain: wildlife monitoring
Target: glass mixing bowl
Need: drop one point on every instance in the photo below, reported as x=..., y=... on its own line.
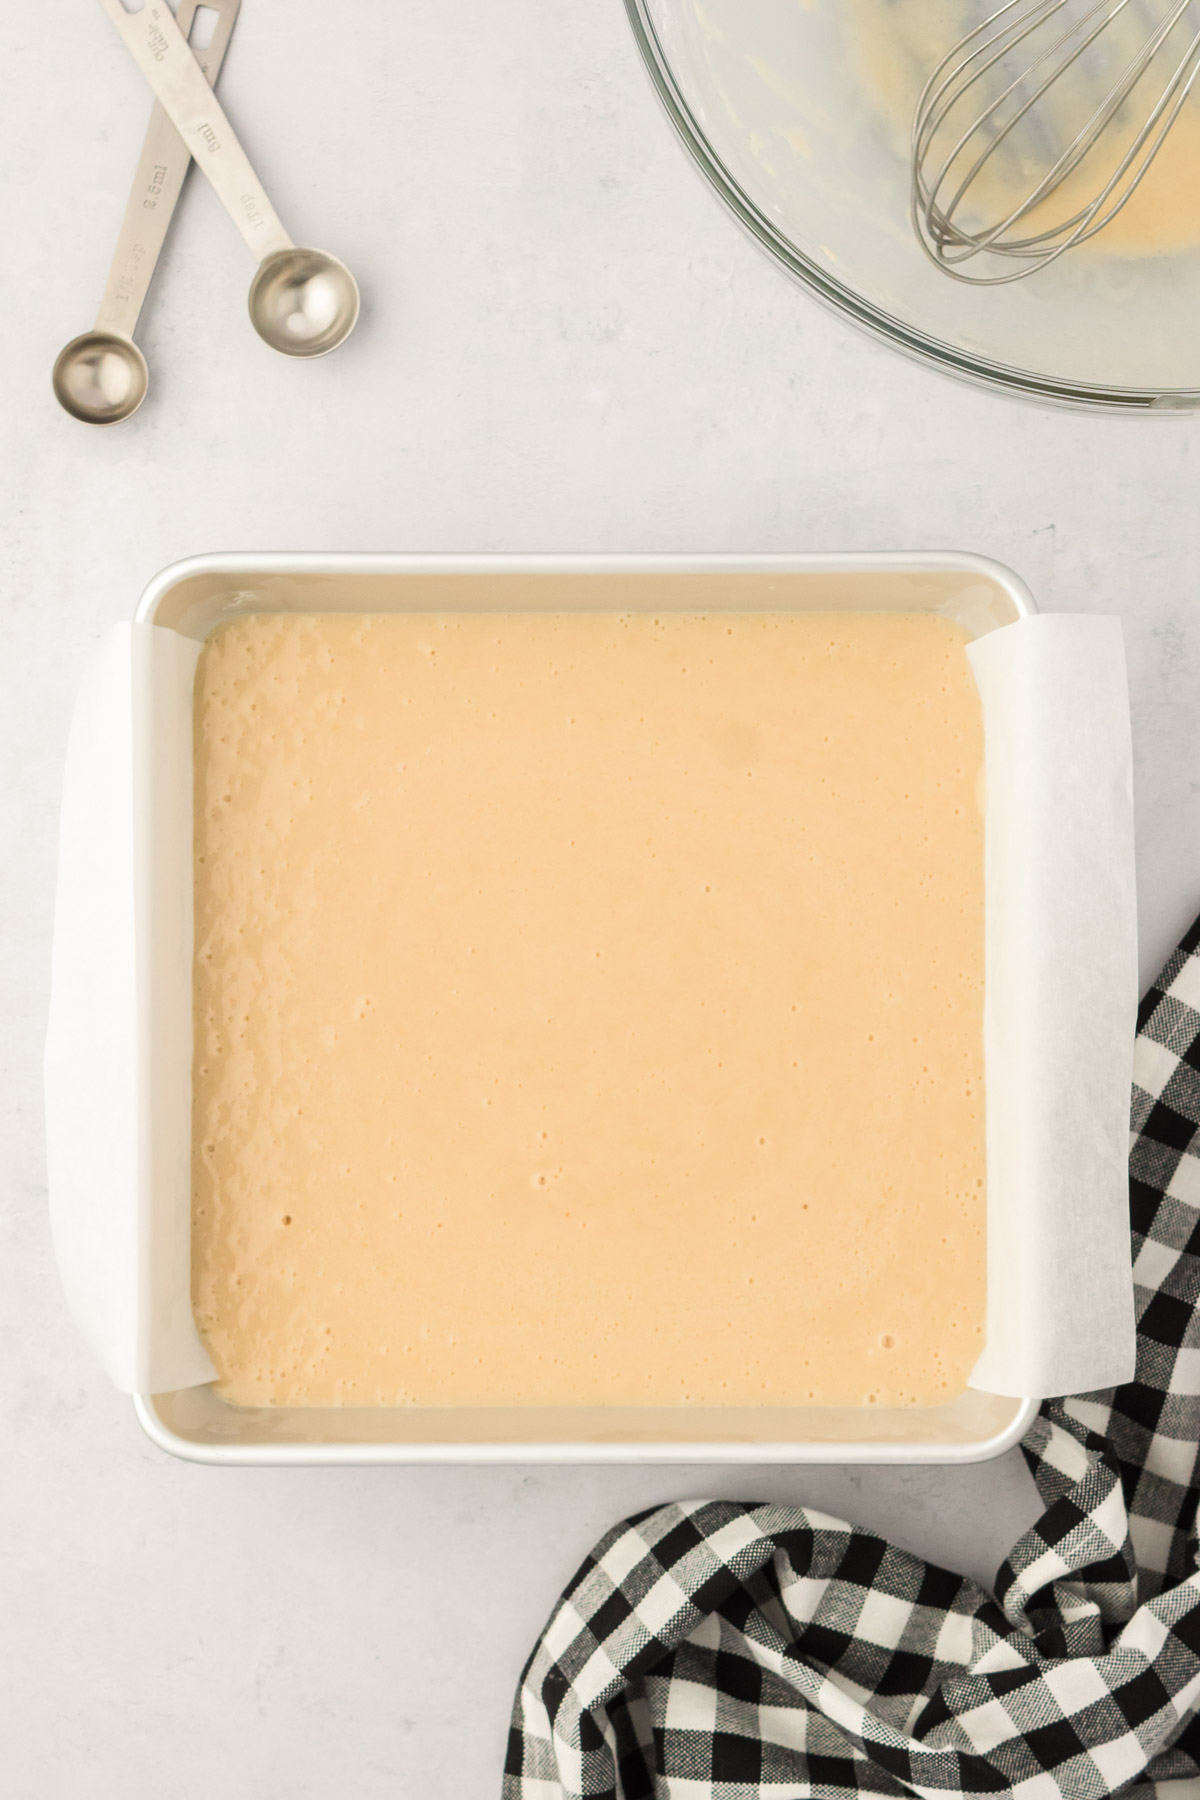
x=798, y=112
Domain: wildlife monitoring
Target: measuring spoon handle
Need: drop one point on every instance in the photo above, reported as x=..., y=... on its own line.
x=161, y=52
x=157, y=185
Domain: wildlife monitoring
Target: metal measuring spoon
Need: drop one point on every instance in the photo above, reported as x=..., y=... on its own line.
x=102, y=376
x=302, y=302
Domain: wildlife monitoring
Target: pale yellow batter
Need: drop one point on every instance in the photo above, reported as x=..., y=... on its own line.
x=588, y=1009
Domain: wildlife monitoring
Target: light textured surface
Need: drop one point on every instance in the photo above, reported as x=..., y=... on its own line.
x=565, y=345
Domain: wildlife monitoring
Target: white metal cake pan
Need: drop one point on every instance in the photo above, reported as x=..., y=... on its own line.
x=137, y=1310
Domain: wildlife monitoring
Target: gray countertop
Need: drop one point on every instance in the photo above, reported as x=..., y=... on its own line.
x=566, y=344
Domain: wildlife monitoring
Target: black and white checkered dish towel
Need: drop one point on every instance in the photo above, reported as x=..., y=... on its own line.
x=720, y=1651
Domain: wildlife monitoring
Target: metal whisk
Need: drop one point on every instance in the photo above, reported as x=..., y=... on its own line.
x=1066, y=98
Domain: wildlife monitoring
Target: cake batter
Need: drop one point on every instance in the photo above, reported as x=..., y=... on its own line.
x=588, y=1009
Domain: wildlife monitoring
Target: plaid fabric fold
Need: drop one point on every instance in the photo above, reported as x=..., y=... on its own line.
x=712, y=1650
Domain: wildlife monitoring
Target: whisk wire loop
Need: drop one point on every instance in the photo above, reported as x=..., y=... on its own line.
x=946, y=182
x=976, y=125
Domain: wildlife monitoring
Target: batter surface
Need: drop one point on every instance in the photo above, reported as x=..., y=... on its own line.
x=588, y=1009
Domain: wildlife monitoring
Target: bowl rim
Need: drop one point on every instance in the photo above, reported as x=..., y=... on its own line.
x=920, y=346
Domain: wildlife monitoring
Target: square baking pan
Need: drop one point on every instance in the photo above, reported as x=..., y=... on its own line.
x=189, y=1419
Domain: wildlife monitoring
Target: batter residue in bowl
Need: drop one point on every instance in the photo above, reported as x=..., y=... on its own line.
x=896, y=44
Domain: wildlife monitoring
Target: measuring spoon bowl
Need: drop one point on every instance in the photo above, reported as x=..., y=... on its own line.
x=100, y=377
x=303, y=302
